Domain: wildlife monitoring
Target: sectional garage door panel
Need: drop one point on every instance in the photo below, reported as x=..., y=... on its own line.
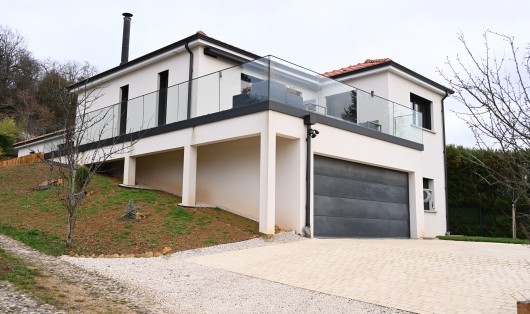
x=348, y=188
x=356, y=200
x=360, y=228
x=344, y=169
x=342, y=207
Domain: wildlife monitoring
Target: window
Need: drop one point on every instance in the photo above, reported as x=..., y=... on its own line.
x=162, y=96
x=428, y=194
x=124, y=96
x=424, y=106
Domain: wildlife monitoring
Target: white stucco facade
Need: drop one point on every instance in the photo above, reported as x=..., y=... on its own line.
x=397, y=86
x=254, y=164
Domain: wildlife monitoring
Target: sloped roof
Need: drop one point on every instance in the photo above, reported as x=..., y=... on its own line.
x=368, y=63
x=198, y=35
x=40, y=137
x=372, y=64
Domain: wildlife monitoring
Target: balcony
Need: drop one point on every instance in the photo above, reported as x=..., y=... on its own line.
x=268, y=79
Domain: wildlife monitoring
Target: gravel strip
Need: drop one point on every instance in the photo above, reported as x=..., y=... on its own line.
x=92, y=282
x=185, y=287
x=15, y=301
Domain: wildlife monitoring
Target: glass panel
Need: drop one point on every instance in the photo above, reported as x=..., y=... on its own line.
x=172, y=104
x=182, y=101
x=97, y=125
x=374, y=112
x=150, y=114
x=404, y=123
x=135, y=112
x=230, y=86
x=289, y=84
x=253, y=83
x=207, y=97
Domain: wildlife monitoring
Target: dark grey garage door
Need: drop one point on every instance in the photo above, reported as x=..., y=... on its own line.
x=356, y=200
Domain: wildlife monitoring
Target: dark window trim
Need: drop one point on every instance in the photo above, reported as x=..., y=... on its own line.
x=124, y=101
x=163, y=82
x=426, y=110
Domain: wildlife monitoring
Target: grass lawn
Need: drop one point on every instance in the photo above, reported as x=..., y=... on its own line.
x=484, y=239
x=16, y=272
x=37, y=218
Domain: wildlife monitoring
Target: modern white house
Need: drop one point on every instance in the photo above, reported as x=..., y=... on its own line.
x=355, y=152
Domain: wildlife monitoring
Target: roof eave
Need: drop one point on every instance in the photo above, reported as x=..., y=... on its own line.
x=159, y=52
x=399, y=67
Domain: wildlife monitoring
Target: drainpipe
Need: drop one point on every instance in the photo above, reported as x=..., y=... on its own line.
x=445, y=168
x=309, y=120
x=190, y=78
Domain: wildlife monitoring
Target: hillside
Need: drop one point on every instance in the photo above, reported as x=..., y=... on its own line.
x=37, y=218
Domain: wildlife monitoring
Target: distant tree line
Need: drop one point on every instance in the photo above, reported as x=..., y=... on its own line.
x=28, y=90
x=478, y=205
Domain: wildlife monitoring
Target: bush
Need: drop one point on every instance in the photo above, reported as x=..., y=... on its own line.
x=9, y=134
x=130, y=210
x=82, y=175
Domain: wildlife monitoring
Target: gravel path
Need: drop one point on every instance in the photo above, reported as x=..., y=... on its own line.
x=97, y=286
x=15, y=301
x=180, y=286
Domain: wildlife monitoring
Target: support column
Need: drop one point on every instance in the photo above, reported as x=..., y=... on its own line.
x=417, y=219
x=267, y=178
x=189, y=175
x=129, y=171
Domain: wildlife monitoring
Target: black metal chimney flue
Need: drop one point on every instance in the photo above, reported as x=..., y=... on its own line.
x=126, y=37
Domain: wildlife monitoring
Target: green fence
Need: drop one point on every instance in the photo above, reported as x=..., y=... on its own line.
x=479, y=221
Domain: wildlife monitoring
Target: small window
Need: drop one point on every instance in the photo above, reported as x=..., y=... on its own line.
x=124, y=97
x=423, y=106
x=428, y=194
x=163, y=78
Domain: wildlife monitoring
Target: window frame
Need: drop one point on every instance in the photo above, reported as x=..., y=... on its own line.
x=424, y=106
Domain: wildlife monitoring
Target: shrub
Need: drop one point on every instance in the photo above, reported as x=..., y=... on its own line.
x=82, y=175
x=130, y=210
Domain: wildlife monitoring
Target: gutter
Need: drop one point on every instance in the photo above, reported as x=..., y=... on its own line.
x=445, y=167
x=190, y=78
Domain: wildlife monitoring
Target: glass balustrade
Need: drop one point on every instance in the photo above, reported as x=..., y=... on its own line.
x=265, y=79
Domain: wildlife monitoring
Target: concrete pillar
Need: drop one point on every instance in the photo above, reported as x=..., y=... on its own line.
x=417, y=220
x=189, y=175
x=129, y=171
x=267, y=178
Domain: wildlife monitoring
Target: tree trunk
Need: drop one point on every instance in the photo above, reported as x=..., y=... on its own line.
x=69, y=231
x=514, y=231
x=71, y=209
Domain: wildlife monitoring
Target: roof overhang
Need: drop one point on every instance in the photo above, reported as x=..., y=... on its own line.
x=398, y=69
x=157, y=55
x=38, y=140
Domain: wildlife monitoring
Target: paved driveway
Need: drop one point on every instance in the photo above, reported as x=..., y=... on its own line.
x=423, y=276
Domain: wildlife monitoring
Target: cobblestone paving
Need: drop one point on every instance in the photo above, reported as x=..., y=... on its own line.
x=424, y=276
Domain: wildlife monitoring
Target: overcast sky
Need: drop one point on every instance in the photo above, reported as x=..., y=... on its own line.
x=320, y=35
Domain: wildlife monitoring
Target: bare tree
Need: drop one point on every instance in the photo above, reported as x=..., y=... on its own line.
x=89, y=139
x=19, y=77
x=495, y=88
